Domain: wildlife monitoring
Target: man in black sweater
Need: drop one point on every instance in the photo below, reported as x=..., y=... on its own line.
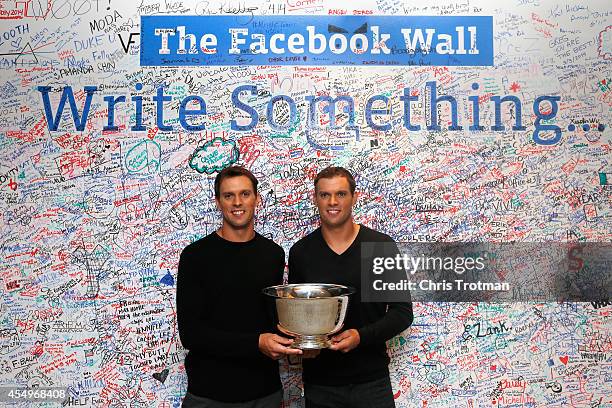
x=353, y=372
x=223, y=318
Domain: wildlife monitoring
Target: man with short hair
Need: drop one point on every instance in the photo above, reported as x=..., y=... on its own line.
x=353, y=372
x=223, y=318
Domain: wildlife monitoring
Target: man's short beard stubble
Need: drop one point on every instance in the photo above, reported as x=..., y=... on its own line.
x=235, y=226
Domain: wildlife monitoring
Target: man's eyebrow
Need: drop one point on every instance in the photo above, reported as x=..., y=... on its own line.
x=329, y=192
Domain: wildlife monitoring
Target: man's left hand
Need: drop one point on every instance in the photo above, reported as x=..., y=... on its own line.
x=345, y=341
x=275, y=346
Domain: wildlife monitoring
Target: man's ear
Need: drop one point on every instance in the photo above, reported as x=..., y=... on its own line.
x=258, y=202
x=217, y=203
x=355, y=198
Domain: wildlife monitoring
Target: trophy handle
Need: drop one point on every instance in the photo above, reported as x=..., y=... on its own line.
x=344, y=304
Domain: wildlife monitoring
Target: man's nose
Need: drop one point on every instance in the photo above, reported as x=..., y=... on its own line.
x=333, y=200
x=237, y=200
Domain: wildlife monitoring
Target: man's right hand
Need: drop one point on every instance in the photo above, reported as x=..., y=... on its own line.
x=275, y=346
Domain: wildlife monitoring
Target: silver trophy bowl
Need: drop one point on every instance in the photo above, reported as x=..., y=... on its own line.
x=310, y=312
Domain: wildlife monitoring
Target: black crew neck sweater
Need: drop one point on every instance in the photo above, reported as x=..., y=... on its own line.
x=221, y=312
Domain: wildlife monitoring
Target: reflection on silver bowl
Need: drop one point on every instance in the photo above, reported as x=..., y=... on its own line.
x=310, y=312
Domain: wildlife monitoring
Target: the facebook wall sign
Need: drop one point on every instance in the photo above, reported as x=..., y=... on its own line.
x=316, y=40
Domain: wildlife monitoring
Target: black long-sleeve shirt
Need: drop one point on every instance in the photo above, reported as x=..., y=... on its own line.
x=221, y=312
x=312, y=261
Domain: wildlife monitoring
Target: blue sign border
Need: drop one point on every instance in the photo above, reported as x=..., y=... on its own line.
x=452, y=28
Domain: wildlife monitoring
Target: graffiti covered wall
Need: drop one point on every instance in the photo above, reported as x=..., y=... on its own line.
x=93, y=220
